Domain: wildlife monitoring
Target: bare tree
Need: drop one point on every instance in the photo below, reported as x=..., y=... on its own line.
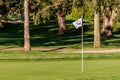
x=109, y=14
x=109, y=10
x=27, y=46
x=96, y=27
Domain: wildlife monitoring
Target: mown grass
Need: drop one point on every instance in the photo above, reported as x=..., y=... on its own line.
x=101, y=70
x=38, y=70
x=60, y=70
x=53, y=55
x=36, y=55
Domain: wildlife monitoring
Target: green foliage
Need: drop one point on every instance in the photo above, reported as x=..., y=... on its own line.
x=41, y=11
x=3, y=9
x=116, y=28
x=1, y=25
x=79, y=8
x=75, y=13
x=1, y=3
x=11, y=7
x=88, y=10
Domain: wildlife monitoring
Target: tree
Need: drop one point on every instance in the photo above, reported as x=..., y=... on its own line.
x=11, y=7
x=35, y=8
x=61, y=16
x=41, y=10
x=27, y=46
x=96, y=25
x=109, y=12
x=61, y=7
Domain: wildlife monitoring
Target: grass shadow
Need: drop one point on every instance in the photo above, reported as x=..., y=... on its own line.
x=45, y=35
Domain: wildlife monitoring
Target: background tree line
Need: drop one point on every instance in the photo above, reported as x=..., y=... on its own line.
x=40, y=11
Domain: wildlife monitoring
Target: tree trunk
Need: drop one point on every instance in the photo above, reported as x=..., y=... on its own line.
x=35, y=18
x=27, y=46
x=61, y=15
x=108, y=22
x=107, y=26
x=96, y=29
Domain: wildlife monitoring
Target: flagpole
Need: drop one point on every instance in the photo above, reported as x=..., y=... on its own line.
x=82, y=51
x=79, y=23
x=82, y=46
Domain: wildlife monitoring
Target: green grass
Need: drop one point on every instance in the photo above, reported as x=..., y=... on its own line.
x=36, y=55
x=60, y=70
x=39, y=70
x=101, y=70
x=53, y=55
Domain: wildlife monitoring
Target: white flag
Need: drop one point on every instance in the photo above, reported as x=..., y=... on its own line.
x=78, y=23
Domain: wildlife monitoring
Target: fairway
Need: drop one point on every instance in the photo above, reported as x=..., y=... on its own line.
x=60, y=70
x=59, y=40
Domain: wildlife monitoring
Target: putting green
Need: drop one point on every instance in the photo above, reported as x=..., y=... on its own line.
x=60, y=70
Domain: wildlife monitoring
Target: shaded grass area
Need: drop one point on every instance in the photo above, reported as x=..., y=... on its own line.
x=61, y=70
x=45, y=35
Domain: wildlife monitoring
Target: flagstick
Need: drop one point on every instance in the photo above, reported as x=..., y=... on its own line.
x=79, y=23
x=82, y=51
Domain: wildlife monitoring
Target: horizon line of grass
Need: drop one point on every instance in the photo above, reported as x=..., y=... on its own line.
x=53, y=55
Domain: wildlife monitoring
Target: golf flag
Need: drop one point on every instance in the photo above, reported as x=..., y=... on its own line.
x=78, y=23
